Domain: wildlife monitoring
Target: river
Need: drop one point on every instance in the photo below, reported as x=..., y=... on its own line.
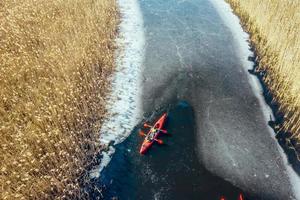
x=220, y=141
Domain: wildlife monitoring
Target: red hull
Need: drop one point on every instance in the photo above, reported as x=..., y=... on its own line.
x=158, y=125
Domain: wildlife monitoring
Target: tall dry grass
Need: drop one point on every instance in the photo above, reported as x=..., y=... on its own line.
x=275, y=31
x=55, y=58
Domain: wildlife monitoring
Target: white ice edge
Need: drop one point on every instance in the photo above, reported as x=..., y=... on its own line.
x=124, y=101
x=242, y=38
x=106, y=157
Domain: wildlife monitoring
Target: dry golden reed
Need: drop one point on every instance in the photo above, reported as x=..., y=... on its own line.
x=275, y=31
x=55, y=58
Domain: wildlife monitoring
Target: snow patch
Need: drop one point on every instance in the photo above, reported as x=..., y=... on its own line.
x=124, y=101
x=243, y=46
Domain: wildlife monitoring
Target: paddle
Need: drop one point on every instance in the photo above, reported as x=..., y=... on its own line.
x=159, y=141
x=147, y=126
x=142, y=133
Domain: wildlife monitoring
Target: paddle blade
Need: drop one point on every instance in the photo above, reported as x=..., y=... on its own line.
x=147, y=126
x=159, y=141
x=141, y=133
x=164, y=131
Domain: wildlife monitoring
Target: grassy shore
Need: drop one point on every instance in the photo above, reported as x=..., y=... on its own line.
x=55, y=59
x=274, y=26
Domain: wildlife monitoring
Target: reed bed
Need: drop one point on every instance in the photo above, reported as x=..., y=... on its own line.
x=55, y=58
x=274, y=26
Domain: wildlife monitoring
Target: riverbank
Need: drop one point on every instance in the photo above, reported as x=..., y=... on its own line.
x=274, y=32
x=55, y=59
x=124, y=101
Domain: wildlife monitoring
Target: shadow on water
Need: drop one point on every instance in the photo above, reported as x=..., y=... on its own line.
x=169, y=171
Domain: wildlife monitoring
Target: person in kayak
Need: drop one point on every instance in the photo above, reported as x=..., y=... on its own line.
x=152, y=134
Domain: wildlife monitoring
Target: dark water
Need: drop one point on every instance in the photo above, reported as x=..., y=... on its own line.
x=168, y=171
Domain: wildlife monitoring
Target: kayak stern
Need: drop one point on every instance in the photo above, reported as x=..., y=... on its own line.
x=145, y=146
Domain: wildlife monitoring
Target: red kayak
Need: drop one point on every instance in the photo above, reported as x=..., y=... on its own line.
x=241, y=197
x=153, y=134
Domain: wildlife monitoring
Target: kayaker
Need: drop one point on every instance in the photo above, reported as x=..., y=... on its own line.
x=151, y=136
